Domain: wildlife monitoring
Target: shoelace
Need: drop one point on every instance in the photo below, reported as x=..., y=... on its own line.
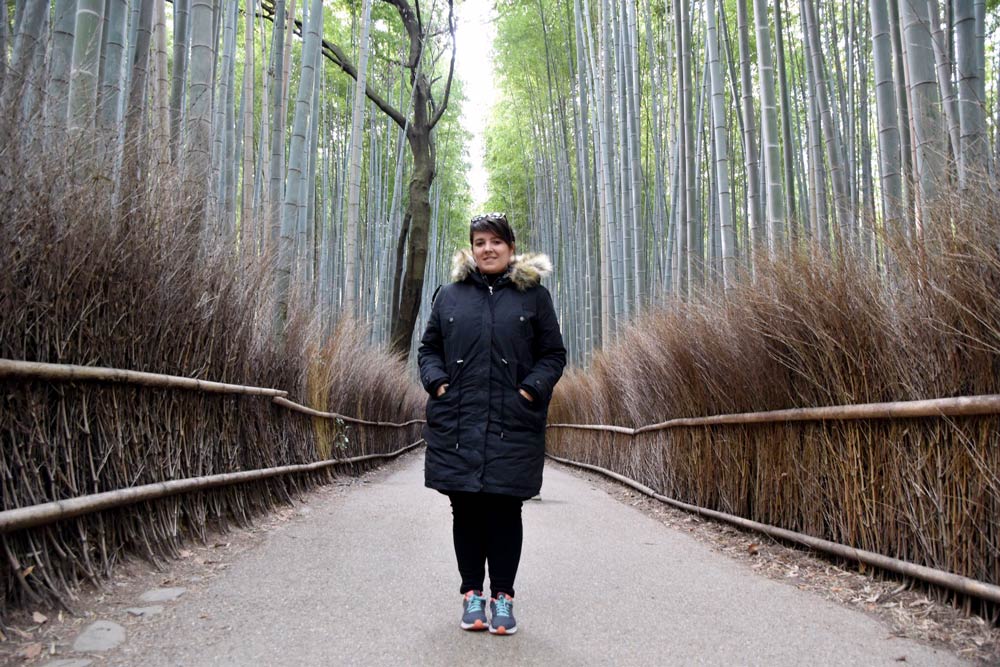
x=503, y=605
x=475, y=603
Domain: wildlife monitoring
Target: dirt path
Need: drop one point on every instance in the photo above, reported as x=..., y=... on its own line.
x=364, y=574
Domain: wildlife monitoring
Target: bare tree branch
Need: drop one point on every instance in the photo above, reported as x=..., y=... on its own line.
x=412, y=24
x=337, y=56
x=451, y=68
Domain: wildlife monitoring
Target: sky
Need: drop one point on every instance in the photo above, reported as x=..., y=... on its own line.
x=474, y=66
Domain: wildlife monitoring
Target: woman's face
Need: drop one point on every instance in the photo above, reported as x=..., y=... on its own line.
x=491, y=252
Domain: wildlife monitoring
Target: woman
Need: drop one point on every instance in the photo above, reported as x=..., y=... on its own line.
x=489, y=358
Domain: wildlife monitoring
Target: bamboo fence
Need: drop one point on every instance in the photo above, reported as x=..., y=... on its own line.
x=961, y=406
x=45, y=513
x=937, y=577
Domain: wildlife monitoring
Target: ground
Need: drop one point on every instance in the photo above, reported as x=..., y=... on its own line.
x=361, y=572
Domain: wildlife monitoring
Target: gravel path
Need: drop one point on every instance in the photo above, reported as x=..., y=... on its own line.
x=368, y=578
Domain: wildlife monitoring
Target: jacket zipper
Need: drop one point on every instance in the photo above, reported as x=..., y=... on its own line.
x=458, y=416
x=503, y=401
x=489, y=384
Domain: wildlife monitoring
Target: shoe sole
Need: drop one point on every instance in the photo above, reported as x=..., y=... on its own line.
x=476, y=626
x=502, y=630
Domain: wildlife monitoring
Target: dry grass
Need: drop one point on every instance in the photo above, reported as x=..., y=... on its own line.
x=815, y=331
x=91, y=276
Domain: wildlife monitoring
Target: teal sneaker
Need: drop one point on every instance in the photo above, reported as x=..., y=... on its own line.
x=474, y=611
x=502, y=615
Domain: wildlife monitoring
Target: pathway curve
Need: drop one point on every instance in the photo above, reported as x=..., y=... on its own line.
x=368, y=578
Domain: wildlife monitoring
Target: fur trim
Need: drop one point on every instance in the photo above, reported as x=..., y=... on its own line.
x=525, y=271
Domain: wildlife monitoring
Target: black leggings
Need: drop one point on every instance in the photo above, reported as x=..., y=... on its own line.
x=487, y=528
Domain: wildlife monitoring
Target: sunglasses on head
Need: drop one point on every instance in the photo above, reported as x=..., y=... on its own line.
x=491, y=217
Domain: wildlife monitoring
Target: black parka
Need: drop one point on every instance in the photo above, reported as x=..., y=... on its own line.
x=486, y=343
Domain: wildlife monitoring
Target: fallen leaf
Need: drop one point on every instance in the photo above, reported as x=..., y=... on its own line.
x=753, y=549
x=3, y=637
x=28, y=570
x=219, y=545
x=901, y=658
x=22, y=633
x=39, y=618
x=31, y=651
x=185, y=553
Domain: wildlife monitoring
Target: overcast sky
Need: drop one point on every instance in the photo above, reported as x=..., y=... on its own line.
x=475, y=67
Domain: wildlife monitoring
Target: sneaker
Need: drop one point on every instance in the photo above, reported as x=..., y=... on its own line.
x=502, y=615
x=474, y=611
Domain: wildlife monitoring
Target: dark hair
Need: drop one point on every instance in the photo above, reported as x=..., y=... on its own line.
x=494, y=223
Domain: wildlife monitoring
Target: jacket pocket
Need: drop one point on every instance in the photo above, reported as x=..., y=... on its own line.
x=442, y=411
x=526, y=320
x=522, y=414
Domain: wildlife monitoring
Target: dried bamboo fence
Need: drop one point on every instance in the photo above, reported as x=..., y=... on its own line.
x=115, y=481
x=911, y=487
x=42, y=514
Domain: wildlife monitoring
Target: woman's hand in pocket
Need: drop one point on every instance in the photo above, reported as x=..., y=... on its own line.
x=528, y=396
x=441, y=390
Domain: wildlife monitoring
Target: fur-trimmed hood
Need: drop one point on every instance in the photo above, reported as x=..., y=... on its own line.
x=525, y=270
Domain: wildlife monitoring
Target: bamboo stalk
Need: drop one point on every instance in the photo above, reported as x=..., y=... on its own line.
x=949, y=580
x=960, y=406
x=34, y=370
x=292, y=405
x=46, y=513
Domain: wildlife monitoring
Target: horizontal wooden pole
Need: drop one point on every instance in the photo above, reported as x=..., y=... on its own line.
x=33, y=370
x=948, y=580
x=963, y=406
x=624, y=430
x=292, y=405
x=46, y=513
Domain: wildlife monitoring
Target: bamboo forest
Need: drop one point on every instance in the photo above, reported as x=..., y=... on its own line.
x=774, y=235
x=654, y=150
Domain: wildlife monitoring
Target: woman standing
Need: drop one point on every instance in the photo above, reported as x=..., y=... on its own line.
x=489, y=358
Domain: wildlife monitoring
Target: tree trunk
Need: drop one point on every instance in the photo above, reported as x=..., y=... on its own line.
x=902, y=104
x=725, y=203
x=161, y=95
x=925, y=100
x=888, y=131
x=134, y=168
x=943, y=65
x=354, y=175
x=419, y=214
x=114, y=59
x=769, y=121
x=973, y=142
x=297, y=166
x=198, y=123
x=4, y=42
x=86, y=54
x=786, y=116
x=178, y=95
x=756, y=230
x=248, y=223
x=841, y=195
x=60, y=61
x=277, y=121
